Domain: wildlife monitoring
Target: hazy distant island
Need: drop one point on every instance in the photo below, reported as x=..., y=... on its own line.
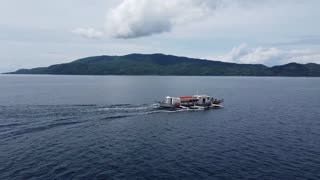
x=160, y=64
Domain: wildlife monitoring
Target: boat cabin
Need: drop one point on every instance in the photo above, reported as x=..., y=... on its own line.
x=172, y=100
x=202, y=99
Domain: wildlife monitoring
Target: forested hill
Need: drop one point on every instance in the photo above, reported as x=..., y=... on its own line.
x=160, y=64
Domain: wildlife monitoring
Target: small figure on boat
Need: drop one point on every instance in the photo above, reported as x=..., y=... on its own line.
x=217, y=101
x=191, y=102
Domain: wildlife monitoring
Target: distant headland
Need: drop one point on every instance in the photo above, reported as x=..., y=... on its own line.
x=165, y=65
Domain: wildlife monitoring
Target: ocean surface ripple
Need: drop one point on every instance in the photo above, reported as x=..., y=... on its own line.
x=269, y=128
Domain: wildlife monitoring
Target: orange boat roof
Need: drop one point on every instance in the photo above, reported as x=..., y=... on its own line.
x=186, y=97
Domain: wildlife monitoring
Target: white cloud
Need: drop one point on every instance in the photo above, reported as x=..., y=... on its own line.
x=88, y=32
x=136, y=18
x=270, y=55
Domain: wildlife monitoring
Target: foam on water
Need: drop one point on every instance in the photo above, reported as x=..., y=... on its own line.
x=51, y=116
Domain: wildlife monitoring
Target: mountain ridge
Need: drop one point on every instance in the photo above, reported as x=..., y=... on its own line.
x=161, y=64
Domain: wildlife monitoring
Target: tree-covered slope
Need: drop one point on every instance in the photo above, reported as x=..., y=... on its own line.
x=159, y=64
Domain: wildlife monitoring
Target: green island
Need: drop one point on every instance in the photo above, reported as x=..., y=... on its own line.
x=166, y=65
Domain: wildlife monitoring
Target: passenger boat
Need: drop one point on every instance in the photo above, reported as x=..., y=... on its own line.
x=191, y=102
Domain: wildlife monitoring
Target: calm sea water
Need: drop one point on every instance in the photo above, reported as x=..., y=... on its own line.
x=105, y=127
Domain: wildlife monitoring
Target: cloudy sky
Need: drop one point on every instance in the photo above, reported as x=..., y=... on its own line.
x=40, y=33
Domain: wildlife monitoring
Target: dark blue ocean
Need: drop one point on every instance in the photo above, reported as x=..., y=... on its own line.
x=105, y=127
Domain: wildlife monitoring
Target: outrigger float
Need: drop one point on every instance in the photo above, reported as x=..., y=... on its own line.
x=198, y=102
